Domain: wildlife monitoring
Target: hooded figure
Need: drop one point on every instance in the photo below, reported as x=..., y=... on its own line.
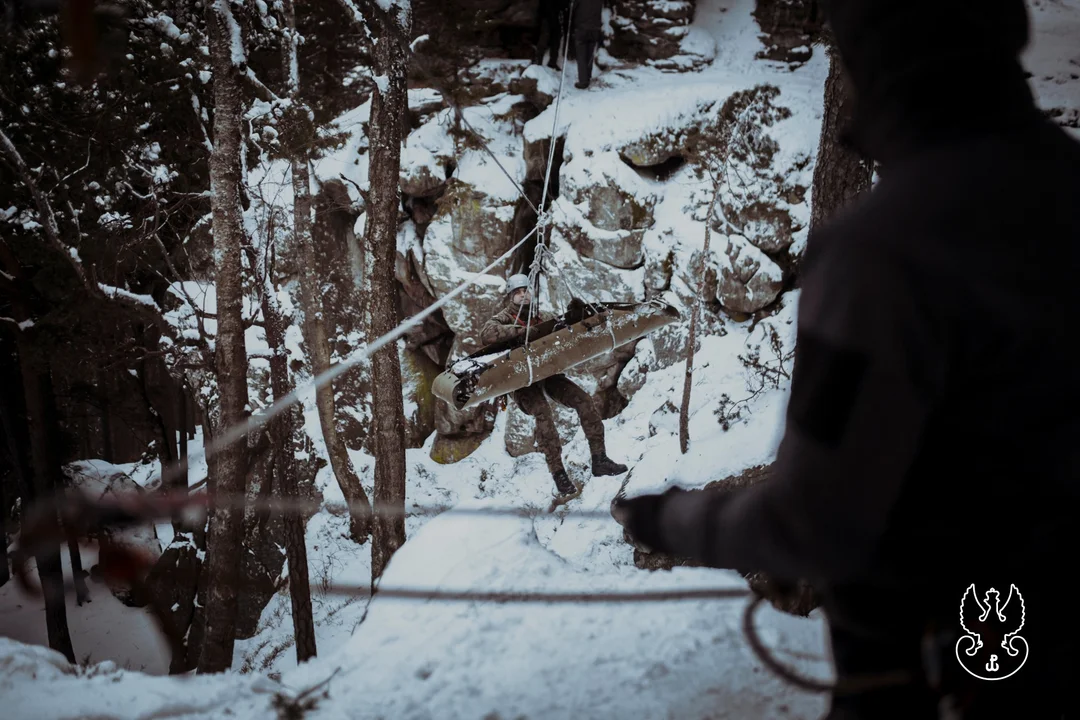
x=511, y=323
x=931, y=433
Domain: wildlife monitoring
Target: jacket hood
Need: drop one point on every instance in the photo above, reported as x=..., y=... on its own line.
x=926, y=71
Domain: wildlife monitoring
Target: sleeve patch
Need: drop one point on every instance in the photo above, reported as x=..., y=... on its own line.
x=825, y=386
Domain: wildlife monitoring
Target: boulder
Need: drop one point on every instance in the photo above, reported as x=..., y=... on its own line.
x=609, y=207
x=474, y=225
x=446, y=450
x=96, y=479
x=748, y=280
x=417, y=373
x=538, y=84
x=595, y=281
x=445, y=268
x=650, y=31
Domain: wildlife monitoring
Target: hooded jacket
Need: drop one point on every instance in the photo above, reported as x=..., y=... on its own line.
x=930, y=438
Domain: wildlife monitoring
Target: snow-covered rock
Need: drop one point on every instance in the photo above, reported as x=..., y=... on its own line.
x=748, y=279
x=606, y=208
x=426, y=155
x=97, y=479
x=650, y=30
x=591, y=280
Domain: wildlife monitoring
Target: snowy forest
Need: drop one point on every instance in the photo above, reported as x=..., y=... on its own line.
x=217, y=218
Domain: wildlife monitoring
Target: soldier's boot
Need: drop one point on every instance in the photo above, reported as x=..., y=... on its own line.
x=562, y=483
x=603, y=465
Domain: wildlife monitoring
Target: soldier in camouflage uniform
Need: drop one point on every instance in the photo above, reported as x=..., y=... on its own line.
x=511, y=323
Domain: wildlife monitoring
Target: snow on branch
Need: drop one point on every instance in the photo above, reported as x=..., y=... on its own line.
x=141, y=304
x=120, y=293
x=353, y=12
x=48, y=220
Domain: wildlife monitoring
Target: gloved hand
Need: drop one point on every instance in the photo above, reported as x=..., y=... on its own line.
x=641, y=518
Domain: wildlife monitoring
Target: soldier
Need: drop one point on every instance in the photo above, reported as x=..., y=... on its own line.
x=511, y=323
x=587, y=29
x=930, y=441
x=550, y=25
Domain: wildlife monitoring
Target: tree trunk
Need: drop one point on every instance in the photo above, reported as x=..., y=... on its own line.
x=5, y=563
x=388, y=106
x=225, y=538
x=41, y=414
x=282, y=430
x=82, y=593
x=182, y=478
x=840, y=173
x=691, y=342
x=315, y=337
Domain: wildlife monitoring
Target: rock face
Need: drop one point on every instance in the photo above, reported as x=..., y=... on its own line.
x=609, y=210
x=748, y=280
x=789, y=29
x=418, y=372
x=607, y=238
x=650, y=30
x=173, y=583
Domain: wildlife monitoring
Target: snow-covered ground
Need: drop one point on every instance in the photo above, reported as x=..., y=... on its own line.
x=421, y=659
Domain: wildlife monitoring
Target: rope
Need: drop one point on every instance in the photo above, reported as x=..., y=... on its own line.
x=241, y=429
x=543, y=215
x=80, y=514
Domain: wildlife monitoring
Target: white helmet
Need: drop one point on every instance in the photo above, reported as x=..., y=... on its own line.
x=516, y=282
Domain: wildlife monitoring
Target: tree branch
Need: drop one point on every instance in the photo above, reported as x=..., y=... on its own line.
x=45, y=212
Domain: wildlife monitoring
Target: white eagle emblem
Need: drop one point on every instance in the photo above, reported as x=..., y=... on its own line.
x=988, y=626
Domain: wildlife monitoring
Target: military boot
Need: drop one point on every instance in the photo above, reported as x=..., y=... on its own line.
x=562, y=482
x=603, y=465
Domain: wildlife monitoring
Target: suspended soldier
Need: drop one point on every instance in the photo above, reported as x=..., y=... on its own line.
x=512, y=322
x=931, y=435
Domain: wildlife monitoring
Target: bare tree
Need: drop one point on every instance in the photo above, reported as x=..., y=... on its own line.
x=283, y=430
x=298, y=136
x=41, y=412
x=840, y=173
x=691, y=342
x=227, y=466
x=388, y=105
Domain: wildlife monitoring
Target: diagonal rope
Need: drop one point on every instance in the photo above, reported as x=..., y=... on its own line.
x=461, y=116
x=254, y=421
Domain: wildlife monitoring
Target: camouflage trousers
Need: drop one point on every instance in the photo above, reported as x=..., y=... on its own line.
x=562, y=390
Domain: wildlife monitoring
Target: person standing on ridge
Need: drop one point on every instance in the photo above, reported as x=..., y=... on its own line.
x=587, y=28
x=551, y=17
x=511, y=323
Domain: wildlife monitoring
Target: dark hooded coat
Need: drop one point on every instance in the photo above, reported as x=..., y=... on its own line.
x=931, y=436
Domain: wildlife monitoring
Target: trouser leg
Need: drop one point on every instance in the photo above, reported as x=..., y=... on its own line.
x=584, y=54
x=564, y=391
x=532, y=402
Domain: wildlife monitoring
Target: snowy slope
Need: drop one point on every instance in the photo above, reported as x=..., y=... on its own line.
x=413, y=659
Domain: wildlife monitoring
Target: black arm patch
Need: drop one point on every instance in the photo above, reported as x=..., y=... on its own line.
x=825, y=385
